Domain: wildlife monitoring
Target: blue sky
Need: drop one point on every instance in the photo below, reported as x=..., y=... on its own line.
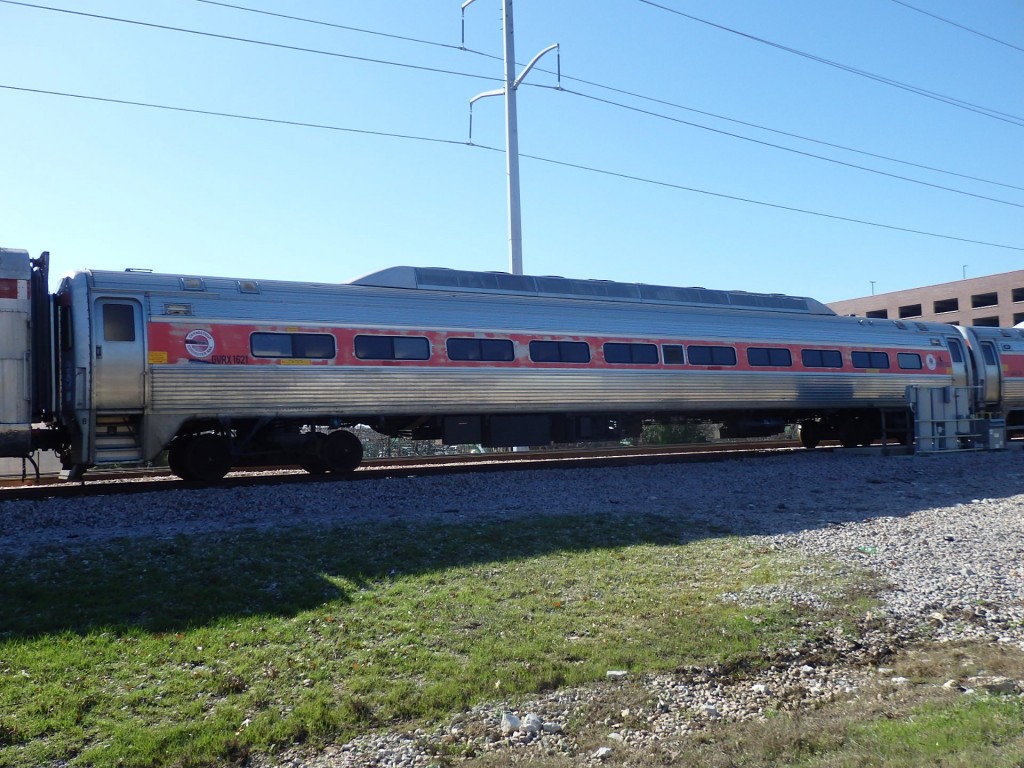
x=111, y=186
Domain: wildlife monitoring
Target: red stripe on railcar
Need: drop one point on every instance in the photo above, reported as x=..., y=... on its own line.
x=231, y=346
x=9, y=288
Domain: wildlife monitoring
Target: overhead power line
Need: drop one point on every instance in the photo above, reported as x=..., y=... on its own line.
x=577, y=166
x=234, y=38
x=790, y=149
x=434, y=43
x=233, y=115
x=951, y=100
x=960, y=26
x=334, y=25
x=252, y=41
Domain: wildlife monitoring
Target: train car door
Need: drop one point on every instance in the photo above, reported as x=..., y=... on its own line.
x=961, y=364
x=118, y=355
x=993, y=374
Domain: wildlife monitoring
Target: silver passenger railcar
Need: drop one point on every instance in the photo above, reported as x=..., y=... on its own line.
x=120, y=366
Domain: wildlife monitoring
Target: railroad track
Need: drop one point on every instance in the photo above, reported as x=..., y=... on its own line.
x=118, y=482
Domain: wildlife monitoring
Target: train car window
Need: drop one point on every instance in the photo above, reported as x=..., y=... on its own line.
x=544, y=351
x=821, y=358
x=635, y=354
x=374, y=348
x=574, y=351
x=870, y=359
x=989, y=353
x=704, y=355
x=308, y=346
x=270, y=345
x=775, y=356
x=118, y=322
x=313, y=346
x=411, y=348
x=67, y=338
x=497, y=350
x=392, y=348
x=464, y=349
x=490, y=350
x=955, y=353
x=672, y=354
x=559, y=352
x=910, y=361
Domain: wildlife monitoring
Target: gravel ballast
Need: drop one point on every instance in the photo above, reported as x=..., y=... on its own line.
x=945, y=532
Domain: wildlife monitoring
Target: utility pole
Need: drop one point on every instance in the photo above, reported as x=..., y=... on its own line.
x=515, y=227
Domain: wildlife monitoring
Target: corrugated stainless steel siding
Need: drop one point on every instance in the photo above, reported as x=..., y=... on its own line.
x=367, y=390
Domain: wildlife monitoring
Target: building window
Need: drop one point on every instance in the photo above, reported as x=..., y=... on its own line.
x=988, y=322
x=1018, y=317
x=870, y=359
x=636, y=354
x=910, y=361
x=910, y=310
x=877, y=314
x=1018, y=294
x=821, y=358
x=770, y=356
x=392, y=348
x=984, y=300
x=559, y=352
x=489, y=350
x=672, y=354
x=704, y=355
x=946, y=305
x=308, y=346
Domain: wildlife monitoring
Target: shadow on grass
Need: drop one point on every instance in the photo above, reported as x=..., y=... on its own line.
x=167, y=585
x=193, y=579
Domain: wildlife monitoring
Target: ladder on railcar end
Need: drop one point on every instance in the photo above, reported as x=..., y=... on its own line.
x=945, y=421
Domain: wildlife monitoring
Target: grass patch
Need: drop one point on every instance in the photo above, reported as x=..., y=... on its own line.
x=197, y=651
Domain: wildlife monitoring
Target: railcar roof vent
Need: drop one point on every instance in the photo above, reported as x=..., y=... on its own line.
x=439, y=279
x=192, y=284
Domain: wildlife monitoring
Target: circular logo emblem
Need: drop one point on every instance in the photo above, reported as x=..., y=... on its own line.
x=199, y=343
x=930, y=362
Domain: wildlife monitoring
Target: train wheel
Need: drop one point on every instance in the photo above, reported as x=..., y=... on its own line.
x=810, y=434
x=341, y=452
x=176, y=456
x=311, y=460
x=206, y=458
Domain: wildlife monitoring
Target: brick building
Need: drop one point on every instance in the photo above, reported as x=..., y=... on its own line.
x=994, y=300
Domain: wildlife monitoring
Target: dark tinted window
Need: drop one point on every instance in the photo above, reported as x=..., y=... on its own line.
x=989, y=352
x=411, y=348
x=494, y=350
x=701, y=355
x=639, y=354
x=559, y=352
x=118, y=322
x=314, y=346
x=392, y=348
x=821, y=358
x=672, y=354
x=955, y=351
x=910, y=361
x=769, y=356
x=870, y=359
x=310, y=346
